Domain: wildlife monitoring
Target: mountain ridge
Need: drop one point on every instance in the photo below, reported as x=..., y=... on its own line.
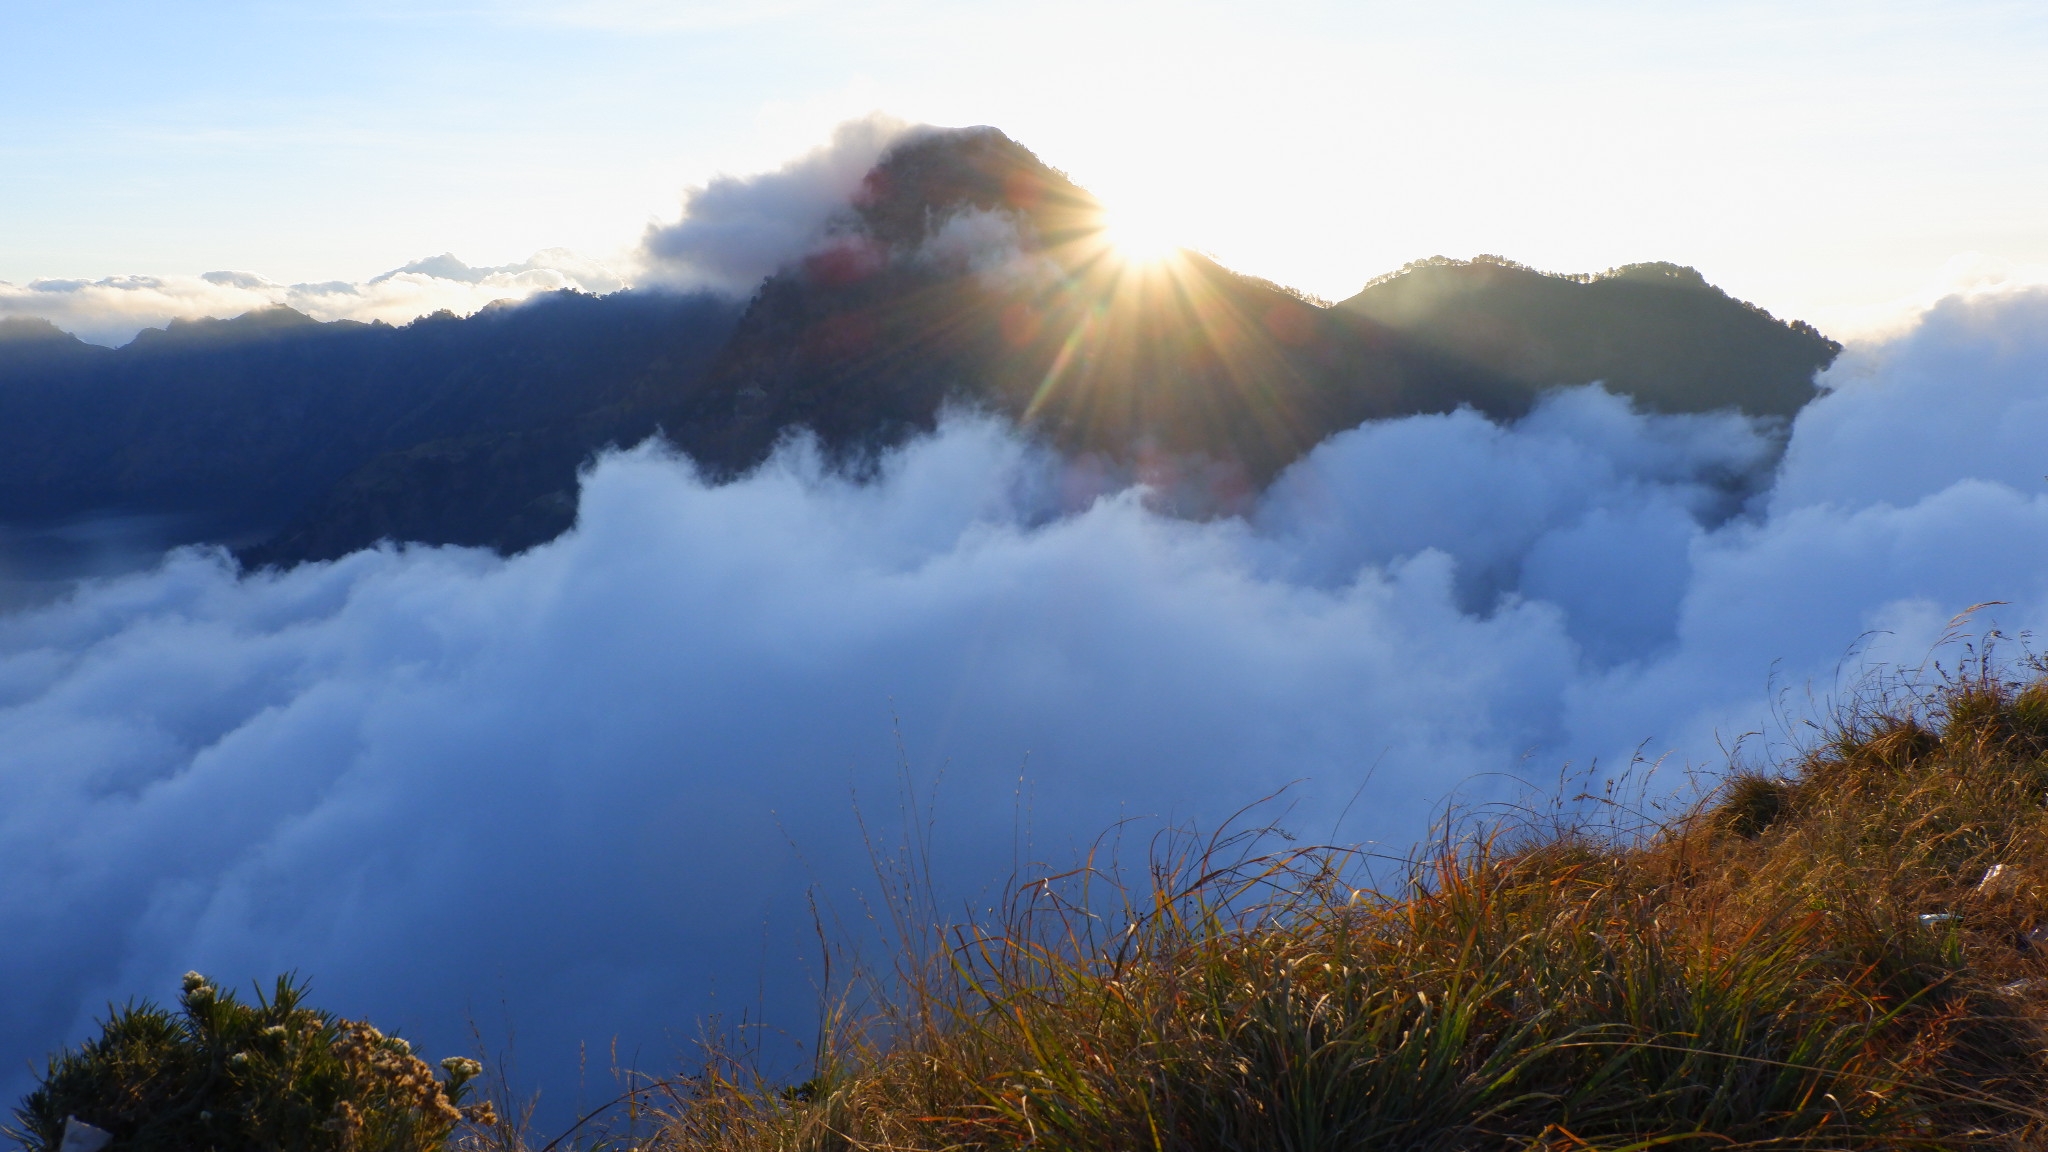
x=1534, y=326
x=964, y=270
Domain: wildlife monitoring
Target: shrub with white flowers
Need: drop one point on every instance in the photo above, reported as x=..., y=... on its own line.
x=271, y=1075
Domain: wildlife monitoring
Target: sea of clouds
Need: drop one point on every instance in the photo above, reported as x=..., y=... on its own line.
x=582, y=793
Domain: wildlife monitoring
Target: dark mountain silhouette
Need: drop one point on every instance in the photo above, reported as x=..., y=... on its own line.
x=29, y=347
x=864, y=341
x=966, y=271
x=1658, y=332
x=246, y=423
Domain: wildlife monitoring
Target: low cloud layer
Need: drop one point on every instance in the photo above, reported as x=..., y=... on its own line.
x=581, y=793
x=736, y=230
x=112, y=310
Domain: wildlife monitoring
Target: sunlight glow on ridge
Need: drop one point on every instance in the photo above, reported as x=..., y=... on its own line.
x=1137, y=238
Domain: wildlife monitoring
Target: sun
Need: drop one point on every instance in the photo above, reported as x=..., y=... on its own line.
x=1138, y=238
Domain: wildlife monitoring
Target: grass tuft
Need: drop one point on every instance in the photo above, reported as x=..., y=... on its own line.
x=1843, y=955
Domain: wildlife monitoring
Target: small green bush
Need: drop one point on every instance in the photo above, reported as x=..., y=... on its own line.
x=222, y=1075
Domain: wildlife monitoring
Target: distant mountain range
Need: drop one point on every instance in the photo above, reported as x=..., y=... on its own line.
x=964, y=272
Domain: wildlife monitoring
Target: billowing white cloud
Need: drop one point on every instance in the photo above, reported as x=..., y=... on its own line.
x=736, y=230
x=112, y=310
x=1965, y=276
x=583, y=790
x=995, y=246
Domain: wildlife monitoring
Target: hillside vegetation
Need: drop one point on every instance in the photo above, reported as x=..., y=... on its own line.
x=1844, y=955
x=219, y=1072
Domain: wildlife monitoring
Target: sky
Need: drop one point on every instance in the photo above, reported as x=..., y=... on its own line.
x=1825, y=160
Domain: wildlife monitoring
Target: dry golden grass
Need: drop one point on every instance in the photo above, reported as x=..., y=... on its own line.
x=1837, y=956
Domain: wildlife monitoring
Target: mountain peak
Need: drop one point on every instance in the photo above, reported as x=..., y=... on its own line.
x=33, y=329
x=257, y=324
x=933, y=174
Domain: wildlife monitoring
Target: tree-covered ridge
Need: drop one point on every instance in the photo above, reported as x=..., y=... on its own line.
x=1655, y=331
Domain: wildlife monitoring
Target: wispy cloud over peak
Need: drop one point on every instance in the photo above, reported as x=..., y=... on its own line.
x=736, y=230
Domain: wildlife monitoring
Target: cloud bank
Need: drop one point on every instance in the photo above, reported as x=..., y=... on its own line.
x=580, y=793
x=112, y=310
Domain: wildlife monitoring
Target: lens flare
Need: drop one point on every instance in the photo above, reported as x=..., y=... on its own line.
x=1138, y=238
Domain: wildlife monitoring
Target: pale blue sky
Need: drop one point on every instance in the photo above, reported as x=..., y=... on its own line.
x=1815, y=157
